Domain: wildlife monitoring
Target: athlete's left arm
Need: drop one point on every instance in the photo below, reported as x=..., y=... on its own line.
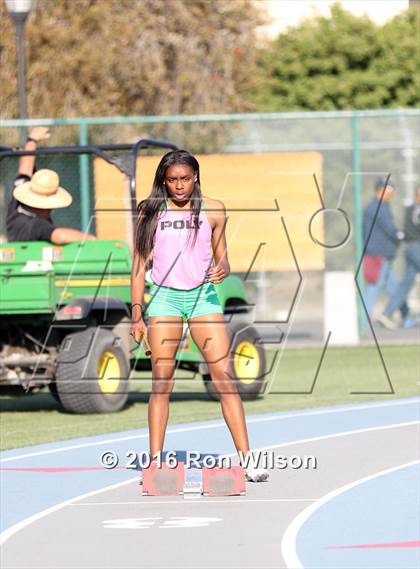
x=218, y=241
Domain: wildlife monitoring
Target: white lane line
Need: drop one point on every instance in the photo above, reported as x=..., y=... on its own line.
x=181, y=500
x=288, y=543
x=104, y=442
x=333, y=436
x=6, y=534
x=300, y=441
x=218, y=425
x=336, y=435
x=20, y=525
x=340, y=409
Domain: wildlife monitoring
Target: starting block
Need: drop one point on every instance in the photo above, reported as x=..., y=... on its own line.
x=224, y=481
x=163, y=481
x=192, y=482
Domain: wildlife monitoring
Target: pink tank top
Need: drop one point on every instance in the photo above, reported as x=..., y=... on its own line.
x=178, y=262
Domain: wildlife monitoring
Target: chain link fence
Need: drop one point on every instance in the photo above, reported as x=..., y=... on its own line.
x=356, y=148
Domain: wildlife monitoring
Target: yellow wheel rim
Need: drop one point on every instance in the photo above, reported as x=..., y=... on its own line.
x=246, y=362
x=109, y=373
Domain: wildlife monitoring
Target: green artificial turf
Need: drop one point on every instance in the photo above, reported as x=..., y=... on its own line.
x=33, y=419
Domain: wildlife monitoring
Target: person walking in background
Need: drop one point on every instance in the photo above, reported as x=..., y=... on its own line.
x=412, y=265
x=381, y=238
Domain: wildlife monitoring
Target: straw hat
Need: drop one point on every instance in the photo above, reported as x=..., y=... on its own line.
x=43, y=191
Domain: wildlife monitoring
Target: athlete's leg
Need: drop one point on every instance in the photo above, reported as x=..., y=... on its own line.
x=164, y=334
x=210, y=334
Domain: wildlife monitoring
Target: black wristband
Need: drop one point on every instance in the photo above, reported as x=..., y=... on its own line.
x=137, y=304
x=30, y=139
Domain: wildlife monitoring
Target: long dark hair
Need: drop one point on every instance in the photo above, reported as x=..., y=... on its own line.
x=148, y=209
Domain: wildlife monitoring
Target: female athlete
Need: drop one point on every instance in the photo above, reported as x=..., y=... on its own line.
x=181, y=231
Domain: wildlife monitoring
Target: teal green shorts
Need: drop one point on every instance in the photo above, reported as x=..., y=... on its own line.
x=167, y=301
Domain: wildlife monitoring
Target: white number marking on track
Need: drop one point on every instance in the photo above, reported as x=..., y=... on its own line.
x=170, y=523
x=130, y=523
x=188, y=522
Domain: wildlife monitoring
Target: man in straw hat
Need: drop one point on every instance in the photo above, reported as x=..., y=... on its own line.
x=29, y=211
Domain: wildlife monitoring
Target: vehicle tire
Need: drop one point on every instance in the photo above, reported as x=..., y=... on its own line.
x=248, y=362
x=92, y=372
x=53, y=391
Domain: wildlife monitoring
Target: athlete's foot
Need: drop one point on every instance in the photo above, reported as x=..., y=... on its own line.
x=256, y=474
x=141, y=471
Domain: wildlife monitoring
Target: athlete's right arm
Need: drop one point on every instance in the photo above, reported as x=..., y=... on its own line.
x=138, y=272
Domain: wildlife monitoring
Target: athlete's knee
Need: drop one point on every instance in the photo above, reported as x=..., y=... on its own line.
x=227, y=390
x=162, y=384
x=223, y=381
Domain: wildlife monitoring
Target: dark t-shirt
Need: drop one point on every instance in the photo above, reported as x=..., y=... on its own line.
x=22, y=223
x=412, y=223
x=379, y=230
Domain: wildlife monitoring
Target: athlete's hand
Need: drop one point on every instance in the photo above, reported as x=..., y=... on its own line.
x=216, y=274
x=39, y=133
x=138, y=330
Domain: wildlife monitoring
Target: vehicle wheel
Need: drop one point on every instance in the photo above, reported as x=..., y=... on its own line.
x=248, y=362
x=92, y=372
x=53, y=390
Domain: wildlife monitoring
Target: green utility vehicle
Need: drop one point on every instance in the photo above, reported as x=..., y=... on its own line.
x=65, y=315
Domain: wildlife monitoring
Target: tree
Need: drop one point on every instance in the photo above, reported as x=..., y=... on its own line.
x=119, y=57
x=342, y=62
